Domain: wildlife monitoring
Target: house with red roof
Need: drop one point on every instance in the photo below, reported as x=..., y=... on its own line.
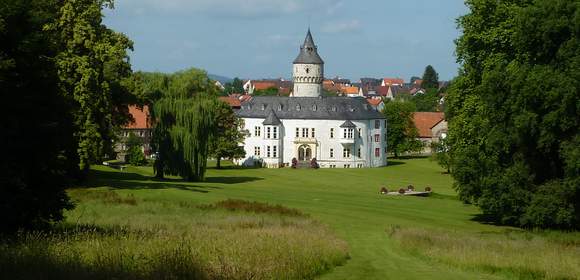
x=392, y=82
x=431, y=126
x=140, y=126
x=234, y=102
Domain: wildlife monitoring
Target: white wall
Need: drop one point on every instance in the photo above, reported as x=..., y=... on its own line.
x=308, y=83
x=287, y=144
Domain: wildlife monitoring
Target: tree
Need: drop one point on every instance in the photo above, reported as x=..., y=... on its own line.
x=514, y=113
x=35, y=123
x=135, y=154
x=440, y=153
x=235, y=86
x=265, y=92
x=185, y=124
x=415, y=78
x=229, y=135
x=427, y=102
x=95, y=75
x=430, y=78
x=401, y=132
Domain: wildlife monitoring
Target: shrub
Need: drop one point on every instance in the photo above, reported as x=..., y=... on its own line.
x=410, y=188
x=402, y=191
x=384, y=190
x=314, y=164
x=294, y=162
x=427, y=189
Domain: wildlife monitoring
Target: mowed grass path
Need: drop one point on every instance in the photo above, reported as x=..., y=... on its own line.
x=345, y=199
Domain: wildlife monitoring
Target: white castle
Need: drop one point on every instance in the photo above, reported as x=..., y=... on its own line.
x=339, y=132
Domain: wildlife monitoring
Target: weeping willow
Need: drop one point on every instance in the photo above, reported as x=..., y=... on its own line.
x=185, y=123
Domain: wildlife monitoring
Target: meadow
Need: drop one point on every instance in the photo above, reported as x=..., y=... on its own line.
x=284, y=224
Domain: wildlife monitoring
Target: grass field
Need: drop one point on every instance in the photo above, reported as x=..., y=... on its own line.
x=386, y=237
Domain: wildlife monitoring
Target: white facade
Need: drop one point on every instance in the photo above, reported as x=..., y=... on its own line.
x=339, y=132
x=308, y=80
x=331, y=145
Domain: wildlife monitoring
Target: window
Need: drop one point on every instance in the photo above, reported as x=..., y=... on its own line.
x=314, y=108
x=275, y=132
x=268, y=132
x=331, y=153
x=377, y=124
x=304, y=132
x=275, y=151
x=332, y=133
x=257, y=151
x=377, y=152
x=268, y=154
x=344, y=133
x=257, y=131
x=279, y=107
x=263, y=107
x=377, y=138
x=332, y=166
x=358, y=154
x=346, y=153
x=359, y=133
x=359, y=165
x=313, y=133
x=297, y=107
x=347, y=166
x=297, y=132
x=348, y=133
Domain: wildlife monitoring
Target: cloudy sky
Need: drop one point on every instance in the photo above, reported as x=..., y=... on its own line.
x=260, y=38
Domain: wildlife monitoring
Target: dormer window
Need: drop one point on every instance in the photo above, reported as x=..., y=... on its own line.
x=279, y=107
x=297, y=107
x=333, y=108
x=314, y=108
x=263, y=107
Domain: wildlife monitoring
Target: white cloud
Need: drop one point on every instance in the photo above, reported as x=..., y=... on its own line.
x=341, y=26
x=229, y=8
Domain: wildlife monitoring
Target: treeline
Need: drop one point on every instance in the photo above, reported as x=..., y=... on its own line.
x=514, y=112
x=66, y=83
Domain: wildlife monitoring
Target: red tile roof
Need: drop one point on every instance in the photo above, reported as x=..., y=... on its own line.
x=382, y=91
x=374, y=101
x=424, y=121
x=264, y=85
x=141, y=118
x=232, y=101
x=349, y=90
x=393, y=81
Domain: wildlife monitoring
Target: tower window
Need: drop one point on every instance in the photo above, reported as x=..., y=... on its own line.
x=307, y=70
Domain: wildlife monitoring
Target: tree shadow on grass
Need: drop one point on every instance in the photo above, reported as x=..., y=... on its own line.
x=485, y=219
x=392, y=162
x=127, y=180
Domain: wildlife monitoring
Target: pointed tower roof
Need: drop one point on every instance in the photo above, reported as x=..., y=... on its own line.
x=272, y=119
x=308, y=52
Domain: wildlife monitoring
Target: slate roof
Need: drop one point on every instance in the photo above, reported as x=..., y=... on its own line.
x=347, y=124
x=308, y=52
x=316, y=108
x=272, y=119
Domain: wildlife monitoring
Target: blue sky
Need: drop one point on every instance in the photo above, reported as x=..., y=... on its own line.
x=260, y=38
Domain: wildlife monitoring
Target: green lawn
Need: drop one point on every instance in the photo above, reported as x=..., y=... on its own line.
x=347, y=200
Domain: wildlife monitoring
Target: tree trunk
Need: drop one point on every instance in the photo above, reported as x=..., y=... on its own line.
x=219, y=162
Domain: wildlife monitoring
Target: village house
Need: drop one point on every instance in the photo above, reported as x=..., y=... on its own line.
x=431, y=126
x=140, y=127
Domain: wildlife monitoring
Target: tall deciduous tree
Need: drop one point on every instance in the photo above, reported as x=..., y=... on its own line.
x=514, y=111
x=430, y=78
x=229, y=135
x=235, y=86
x=94, y=70
x=185, y=123
x=401, y=132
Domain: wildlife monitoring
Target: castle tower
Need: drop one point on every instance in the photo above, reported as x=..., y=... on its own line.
x=308, y=71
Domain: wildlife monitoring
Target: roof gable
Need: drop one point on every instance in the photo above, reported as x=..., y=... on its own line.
x=424, y=121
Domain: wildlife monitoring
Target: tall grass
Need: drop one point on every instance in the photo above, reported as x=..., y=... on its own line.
x=179, y=241
x=520, y=254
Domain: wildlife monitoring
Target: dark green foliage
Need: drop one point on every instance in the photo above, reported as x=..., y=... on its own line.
x=185, y=123
x=430, y=78
x=135, y=154
x=35, y=124
x=414, y=78
x=235, y=86
x=266, y=92
x=401, y=131
x=94, y=73
x=427, y=102
x=254, y=206
x=514, y=111
x=229, y=136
